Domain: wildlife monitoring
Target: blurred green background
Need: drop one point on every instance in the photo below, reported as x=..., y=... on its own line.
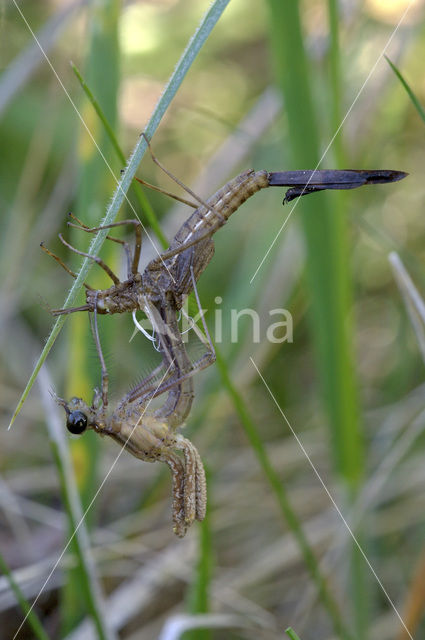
x=269, y=89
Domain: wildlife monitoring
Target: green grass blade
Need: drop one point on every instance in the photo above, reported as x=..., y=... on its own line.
x=17, y=74
x=352, y=433
x=413, y=300
x=31, y=616
x=49, y=344
x=326, y=237
x=79, y=544
x=335, y=79
x=138, y=191
x=291, y=633
x=419, y=108
x=208, y=22
x=79, y=541
x=94, y=184
x=325, y=229
x=198, y=600
x=109, y=130
x=287, y=511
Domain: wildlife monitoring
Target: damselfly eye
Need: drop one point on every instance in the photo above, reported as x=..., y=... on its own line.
x=76, y=422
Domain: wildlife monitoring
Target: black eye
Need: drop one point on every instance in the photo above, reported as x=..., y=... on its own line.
x=76, y=422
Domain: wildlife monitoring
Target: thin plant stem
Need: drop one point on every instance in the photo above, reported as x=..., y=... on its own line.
x=31, y=616
x=285, y=506
x=206, y=26
x=415, y=101
x=291, y=633
x=138, y=191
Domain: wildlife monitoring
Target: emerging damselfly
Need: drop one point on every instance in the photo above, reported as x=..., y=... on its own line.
x=160, y=291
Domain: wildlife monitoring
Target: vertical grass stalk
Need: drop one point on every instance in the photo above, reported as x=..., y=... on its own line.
x=102, y=70
x=352, y=435
x=189, y=55
x=285, y=506
x=325, y=233
x=31, y=617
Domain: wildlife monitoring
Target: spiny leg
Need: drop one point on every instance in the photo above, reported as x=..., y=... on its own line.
x=143, y=394
x=125, y=245
x=140, y=391
x=63, y=312
x=196, y=239
x=181, y=184
x=159, y=327
x=63, y=265
x=167, y=193
x=173, y=353
x=133, y=263
x=155, y=374
x=210, y=357
x=204, y=324
x=145, y=386
x=105, y=375
x=96, y=259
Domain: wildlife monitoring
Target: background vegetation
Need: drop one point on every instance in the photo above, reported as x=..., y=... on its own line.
x=269, y=89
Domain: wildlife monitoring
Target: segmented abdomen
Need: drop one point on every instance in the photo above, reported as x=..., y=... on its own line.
x=224, y=202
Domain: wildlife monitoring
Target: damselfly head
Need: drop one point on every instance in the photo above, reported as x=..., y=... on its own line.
x=76, y=422
x=79, y=416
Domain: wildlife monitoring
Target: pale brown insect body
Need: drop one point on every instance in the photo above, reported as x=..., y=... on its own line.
x=170, y=272
x=149, y=436
x=193, y=246
x=160, y=291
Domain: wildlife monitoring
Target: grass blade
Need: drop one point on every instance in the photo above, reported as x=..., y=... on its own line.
x=31, y=616
x=20, y=71
x=326, y=238
x=208, y=22
x=94, y=183
x=414, y=303
x=325, y=231
x=138, y=191
x=198, y=600
x=287, y=511
x=351, y=429
x=419, y=108
x=291, y=633
x=79, y=537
